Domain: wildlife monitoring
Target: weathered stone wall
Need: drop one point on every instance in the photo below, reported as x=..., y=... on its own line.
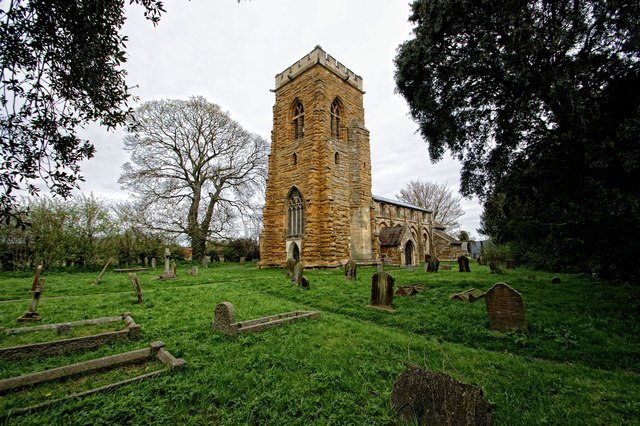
x=332, y=174
x=418, y=231
x=445, y=250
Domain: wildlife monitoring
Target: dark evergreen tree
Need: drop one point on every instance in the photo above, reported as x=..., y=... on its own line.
x=540, y=100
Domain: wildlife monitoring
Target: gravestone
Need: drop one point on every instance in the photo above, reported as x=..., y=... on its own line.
x=350, y=270
x=380, y=267
x=297, y=273
x=32, y=314
x=221, y=259
x=243, y=260
x=205, y=261
x=97, y=281
x=153, y=263
x=36, y=278
x=463, y=264
x=168, y=274
x=555, y=280
x=136, y=286
x=410, y=268
x=173, y=268
x=433, y=264
x=291, y=264
x=304, y=283
x=146, y=262
x=224, y=318
x=426, y=398
x=382, y=291
x=505, y=309
x=194, y=271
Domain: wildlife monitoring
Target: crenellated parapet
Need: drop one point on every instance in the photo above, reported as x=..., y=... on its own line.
x=319, y=56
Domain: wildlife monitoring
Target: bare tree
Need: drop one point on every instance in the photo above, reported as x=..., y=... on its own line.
x=435, y=197
x=193, y=168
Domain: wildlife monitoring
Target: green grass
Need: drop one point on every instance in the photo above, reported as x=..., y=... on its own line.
x=579, y=364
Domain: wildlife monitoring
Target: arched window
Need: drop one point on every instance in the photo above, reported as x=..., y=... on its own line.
x=295, y=223
x=298, y=120
x=336, y=112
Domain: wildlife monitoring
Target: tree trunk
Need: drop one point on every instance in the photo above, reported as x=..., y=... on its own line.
x=198, y=244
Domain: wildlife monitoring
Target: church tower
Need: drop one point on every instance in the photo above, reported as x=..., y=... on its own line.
x=318, y=204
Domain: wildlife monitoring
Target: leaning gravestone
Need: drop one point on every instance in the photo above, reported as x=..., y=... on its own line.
x=97, y=281
x=297, y=273
x=382, y=292
x=350, y=270
x=32, y=314
x=425, y=398
x=463, y=264
x=291, y=264
x=36, y=278
x=505, y=309
x=136, y=286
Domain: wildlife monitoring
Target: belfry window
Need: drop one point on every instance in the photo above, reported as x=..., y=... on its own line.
x=336, y=112
x=295, y=222
x=298, y=120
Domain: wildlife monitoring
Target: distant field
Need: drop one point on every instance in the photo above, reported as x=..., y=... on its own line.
x=579, y=363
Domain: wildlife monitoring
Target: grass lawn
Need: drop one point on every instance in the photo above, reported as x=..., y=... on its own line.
x=579, y=363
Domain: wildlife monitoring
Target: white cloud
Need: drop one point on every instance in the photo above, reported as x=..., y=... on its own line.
x=230, y=52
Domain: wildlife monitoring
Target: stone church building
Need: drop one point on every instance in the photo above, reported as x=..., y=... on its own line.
x=318, y=205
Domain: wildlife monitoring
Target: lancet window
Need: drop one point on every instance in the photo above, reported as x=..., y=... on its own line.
x=295, y=223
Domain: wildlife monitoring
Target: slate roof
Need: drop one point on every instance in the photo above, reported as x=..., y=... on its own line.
x=398, y=203
x=390, y=236
x=447, y=237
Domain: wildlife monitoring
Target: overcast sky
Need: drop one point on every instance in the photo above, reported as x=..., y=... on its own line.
x=230, y=52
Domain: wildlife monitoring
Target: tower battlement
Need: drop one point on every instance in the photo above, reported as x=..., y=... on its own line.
x=319, y=56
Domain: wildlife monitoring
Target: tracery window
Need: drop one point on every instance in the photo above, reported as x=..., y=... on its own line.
x=298, y=120
x=295, y=222
x=336, y=112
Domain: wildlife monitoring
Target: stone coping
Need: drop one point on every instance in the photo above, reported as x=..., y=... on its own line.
x=56, y=347
x=155, y=349
x=121, y=270
x=224, y=320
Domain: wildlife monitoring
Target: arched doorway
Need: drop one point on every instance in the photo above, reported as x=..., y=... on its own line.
x=295, y=252
x=408, y=253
